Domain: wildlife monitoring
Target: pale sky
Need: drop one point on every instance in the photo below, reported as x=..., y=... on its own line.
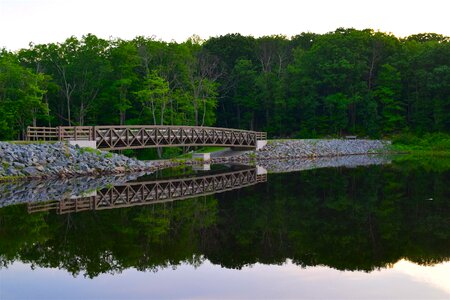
x=44, y=21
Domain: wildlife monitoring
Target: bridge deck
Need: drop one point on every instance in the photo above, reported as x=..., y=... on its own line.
x=135, y=137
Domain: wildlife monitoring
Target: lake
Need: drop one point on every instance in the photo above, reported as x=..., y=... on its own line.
x=348, y=228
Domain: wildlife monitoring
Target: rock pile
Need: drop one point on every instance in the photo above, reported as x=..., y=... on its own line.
x=287, y=149
x=62, y=160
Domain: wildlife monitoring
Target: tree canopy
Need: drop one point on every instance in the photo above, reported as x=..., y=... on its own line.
x=361, y=82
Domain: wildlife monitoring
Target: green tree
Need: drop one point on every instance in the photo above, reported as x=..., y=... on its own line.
x=21, y=97
x=154, y=97
x=387, y=94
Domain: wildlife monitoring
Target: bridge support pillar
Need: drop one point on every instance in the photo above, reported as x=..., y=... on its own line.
x=84, y=144
x=260, y=170
x=260, y=144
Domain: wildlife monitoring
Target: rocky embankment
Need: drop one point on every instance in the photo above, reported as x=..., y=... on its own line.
x=59, y=160
x=290, y=149
x=62, y=160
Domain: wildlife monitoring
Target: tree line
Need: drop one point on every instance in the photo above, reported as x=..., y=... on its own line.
x=348, y=81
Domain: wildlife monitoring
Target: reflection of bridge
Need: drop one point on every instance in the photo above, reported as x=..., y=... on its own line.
x=135, y=137
x=150, y=192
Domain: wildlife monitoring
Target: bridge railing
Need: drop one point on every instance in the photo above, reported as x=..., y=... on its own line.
x=261, y=135
x=76, y=133
x=61, y=133
x=133, y=137
x=152, y=192
x=42, y=133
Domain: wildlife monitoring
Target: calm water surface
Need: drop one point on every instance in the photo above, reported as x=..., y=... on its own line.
x=379, y=231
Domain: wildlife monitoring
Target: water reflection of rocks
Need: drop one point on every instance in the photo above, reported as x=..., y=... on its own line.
x=292, y=165
x=47, y=190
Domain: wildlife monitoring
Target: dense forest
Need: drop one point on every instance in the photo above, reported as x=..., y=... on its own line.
x=343, y=82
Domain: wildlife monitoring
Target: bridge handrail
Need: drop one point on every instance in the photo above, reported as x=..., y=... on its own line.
x=261, y=135
x=171, y=126
x=73, y=132
x=42, y=133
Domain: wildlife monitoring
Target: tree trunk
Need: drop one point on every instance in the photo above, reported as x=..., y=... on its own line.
x=122, y=117
x=68, y=110
x=204, y=112
x=196, y=113
x=238, y=113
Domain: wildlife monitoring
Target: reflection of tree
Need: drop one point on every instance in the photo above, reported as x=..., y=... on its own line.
x=348, y=219
x=18, y=230
x=358, y=219
x=146, y=238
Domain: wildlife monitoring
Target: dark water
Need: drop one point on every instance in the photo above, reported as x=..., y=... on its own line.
x=379, y=231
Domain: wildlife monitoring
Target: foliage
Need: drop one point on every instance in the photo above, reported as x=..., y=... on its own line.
x=348, y=81
x=433, y=143
x=21, y=97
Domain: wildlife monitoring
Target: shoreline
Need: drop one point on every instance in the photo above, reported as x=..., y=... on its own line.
x=59, y=160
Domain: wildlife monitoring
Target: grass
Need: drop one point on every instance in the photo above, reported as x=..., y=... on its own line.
x=90, y=150
x=431, y=144
x=177, y=160
x=210, y=149
x=96, y=151
x=12, y=178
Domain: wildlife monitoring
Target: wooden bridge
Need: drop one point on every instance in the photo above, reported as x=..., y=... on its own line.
x=135, y=137
x=152, y=192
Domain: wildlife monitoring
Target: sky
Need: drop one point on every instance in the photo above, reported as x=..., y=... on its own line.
x=46, y=21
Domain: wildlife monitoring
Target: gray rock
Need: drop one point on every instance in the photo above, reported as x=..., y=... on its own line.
x=31, y=171
x=12, y=172
x=314, y=148
x=59, y=159
x=18, y=165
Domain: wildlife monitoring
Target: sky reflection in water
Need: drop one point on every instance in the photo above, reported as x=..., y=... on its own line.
x=405, y=280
